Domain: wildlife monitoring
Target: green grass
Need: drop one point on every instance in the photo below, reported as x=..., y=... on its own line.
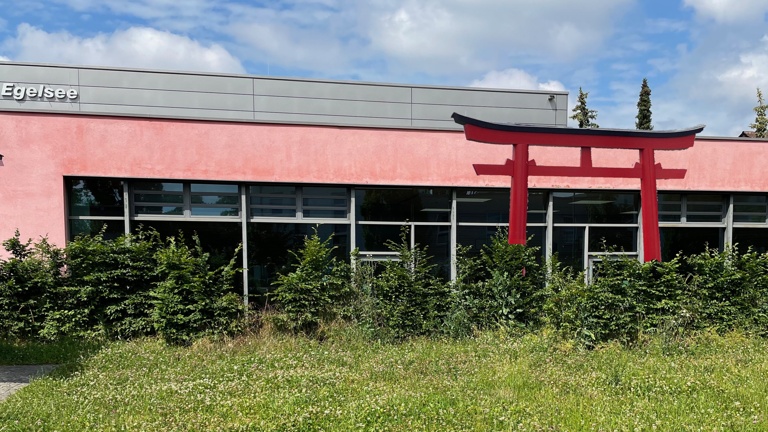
x=34, y=353
x=348, y=382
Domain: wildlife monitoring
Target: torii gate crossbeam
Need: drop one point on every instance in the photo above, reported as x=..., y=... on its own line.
x=519, y=168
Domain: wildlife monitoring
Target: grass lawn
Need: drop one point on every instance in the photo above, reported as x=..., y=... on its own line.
x=348, y=382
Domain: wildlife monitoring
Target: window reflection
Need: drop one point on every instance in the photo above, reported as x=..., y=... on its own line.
x=400, y=205
x=595, y=207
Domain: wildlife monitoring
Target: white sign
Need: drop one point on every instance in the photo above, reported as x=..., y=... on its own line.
x=39, y=92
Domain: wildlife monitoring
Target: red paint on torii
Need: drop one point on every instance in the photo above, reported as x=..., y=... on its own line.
x=519, y=168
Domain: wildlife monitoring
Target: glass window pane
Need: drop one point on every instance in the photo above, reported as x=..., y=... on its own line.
x=325, y=191
x=159, y=186
x=437, y=240
x=704, y=208
x=215, y=211
x=757, y=238
x=273, y=212
x=749, y=208
x=537, y=207
x=272, y=190
x=688, y=240
x=568, y=245
x=273, y=201
x=95, y=197
x=158, y=198
x=617, y=239
x=325, y=202
x=595, y=207
x=400, y=205
x=159, y=210
x=321, y=213
x=214, y=188
x=373, y=238
x=270, y=246
x=216, y=199
x=112, y=228
x=482, y=205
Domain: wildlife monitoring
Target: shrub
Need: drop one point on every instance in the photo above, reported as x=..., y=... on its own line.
x=315, y=290
x=28, y=280
x=565, y=305
x=107, y=288
x=410, y=300
x=502, y=286
x=192, y=298
x=729, y=290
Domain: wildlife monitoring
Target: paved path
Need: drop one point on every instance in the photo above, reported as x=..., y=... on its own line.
x=13, y=378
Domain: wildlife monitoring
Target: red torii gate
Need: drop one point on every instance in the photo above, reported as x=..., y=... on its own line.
x=520, y=168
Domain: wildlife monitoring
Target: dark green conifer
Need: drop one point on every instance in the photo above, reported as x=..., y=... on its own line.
x=644, y=108
x=583, y=115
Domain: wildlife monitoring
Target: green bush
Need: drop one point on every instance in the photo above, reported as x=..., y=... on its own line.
x=565, y=305
x=28, y=282
x=502, y=286
x=409, y=299
x=729, y=290
x=192, y=298
x=315, y=290
x=107, y=287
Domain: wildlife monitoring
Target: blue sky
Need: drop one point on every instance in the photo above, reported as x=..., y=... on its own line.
x=703, y=59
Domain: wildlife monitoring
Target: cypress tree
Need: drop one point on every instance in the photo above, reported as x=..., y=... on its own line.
x=582, y=114
x=644, y=108
x=760, y=126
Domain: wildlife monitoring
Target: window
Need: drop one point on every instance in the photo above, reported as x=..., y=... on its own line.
x=95, y=205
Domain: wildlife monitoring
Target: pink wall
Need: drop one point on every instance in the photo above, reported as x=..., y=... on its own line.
x=40, y=149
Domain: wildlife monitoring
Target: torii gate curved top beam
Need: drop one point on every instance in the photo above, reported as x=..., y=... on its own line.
x=523, y=136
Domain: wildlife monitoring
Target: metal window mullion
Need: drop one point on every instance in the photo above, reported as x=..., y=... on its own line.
x=586, y=247
x=244, y=239
x=728, y=236
x=683, y=208
x=639, y=232
x=550, y=235
x=299, y=203
x=187, y=200
x=453, y=236
x=352, y=220
x=126, y=207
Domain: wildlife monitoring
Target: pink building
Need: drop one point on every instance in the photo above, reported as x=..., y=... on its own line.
x=263, y=160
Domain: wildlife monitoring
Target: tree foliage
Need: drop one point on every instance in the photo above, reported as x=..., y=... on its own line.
x=760, y=126
x=582, y=114
x=644, y=107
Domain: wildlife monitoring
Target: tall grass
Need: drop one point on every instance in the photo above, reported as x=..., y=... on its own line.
x=494, y=381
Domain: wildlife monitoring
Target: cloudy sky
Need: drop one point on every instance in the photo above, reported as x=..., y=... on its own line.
x=703, y=59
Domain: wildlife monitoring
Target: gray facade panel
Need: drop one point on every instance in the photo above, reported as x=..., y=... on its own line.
x=183, y=113
x=165, y=81
x=480, y=97
x=343, y=108
x=165, y=98
x=332, y=120
x=233, y=98
x=500, y=115
x=335, y=91
x=23, y=74
x=34, y=105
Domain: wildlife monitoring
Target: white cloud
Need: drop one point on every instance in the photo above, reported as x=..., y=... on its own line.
x=729, y=11
x=516, y=79
x=139, y=47
x=392, y=39
x=4, y=58
x=458, y=35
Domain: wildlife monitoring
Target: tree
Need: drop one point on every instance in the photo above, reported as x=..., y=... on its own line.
x=582, y=114
x=644, y=108
x=760, y=126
